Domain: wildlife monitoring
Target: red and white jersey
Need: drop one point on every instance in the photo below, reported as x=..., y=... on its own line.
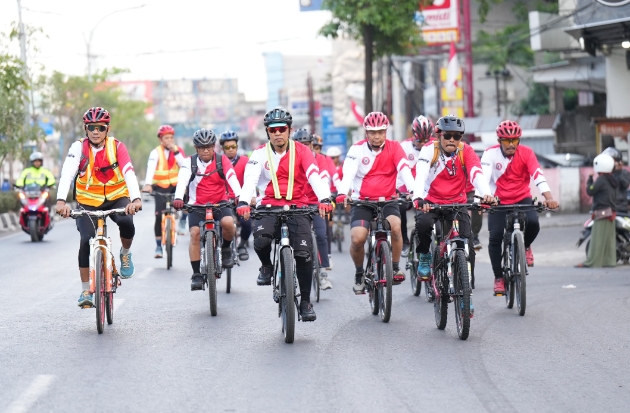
x=206, y=189
x=413, y=155
x=373, y=174
x=238, y=163
x=446, y=180
x=324, y=174
x=509, y=177
x=258, y=174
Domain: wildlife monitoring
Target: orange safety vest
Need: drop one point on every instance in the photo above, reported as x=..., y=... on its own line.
x=93, y=192
x=164, y=177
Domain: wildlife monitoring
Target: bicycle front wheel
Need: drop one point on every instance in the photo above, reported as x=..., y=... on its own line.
x=287, y=295
x=440, y=302
x=169, y=242
x=412, y=264
x=316, y=267
x=99, y=293
x=508, y=277
x=461, y=282
x=385, y=280
x=519, y=273
x=109, y=296
x=211, y=278
x=339, y=237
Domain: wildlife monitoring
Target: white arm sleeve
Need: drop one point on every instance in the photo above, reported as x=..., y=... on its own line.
x=132, y=184
x=350, y=169
x=251, y=176
x=319, y=186
x=234, y=184
x=151, y=166
x=179, y=158
x=336, y=180
x=183, y=178
x=422, y=171
x=407, y=177
x=69, y=170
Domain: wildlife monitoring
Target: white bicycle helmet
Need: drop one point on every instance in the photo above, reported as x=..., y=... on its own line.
x=333, y=152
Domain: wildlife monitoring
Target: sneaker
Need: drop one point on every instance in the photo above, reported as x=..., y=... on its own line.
x=182, y=227
x=265, y=274
x=330, y=264
x=226, y=257
x=399, y=277
x=424, y=267
x=359, y=283
x=476, y=243
x=529, y=257
x=243, y=255
x=307, y=312
x=158, y=252
x=324, y=284
x=196, y=282
x=405, y=249
x=86, y=300
x=127, y=269
x=499, y=286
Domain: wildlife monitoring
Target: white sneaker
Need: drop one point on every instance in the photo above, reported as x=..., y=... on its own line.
x=324, y=283
x=330, y=264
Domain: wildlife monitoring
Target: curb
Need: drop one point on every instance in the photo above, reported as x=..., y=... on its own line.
x=6, y=221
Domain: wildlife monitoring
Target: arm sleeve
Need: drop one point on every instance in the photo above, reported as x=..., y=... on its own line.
x=475, y=172
x=253, y=169
x=124, y=160
x=593, y=188
x=179, y=158
x=69, y=170
x=132, y=184
x=309, y=165
x=533, y=167
x=151, y=166
x=183, y=179
x=50, y=179
x=20, y=181
x=422, y=170
x=402, y=166
x=350, y=169
x=230, y=175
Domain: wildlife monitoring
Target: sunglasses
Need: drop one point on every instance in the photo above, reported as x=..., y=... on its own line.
x=275, y=129
x=228, y=147
x=100, y=128
x=205, y=148
x=449, y=136
x=512, y=141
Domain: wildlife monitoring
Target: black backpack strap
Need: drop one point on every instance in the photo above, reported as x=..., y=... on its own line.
x=220, y=165
x=193, y=168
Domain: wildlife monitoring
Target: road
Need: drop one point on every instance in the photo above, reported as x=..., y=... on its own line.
x=165, y=353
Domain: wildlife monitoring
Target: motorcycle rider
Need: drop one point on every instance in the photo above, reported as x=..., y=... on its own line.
x=206, y=184
x=37, y=174
x=282, y=170
x=104, y=179
x=162, y=169
x=508, y=168
x=623, y=177
x=370, y=171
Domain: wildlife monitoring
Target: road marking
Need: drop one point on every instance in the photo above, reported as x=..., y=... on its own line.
x=118, y=303
x=38, y=388
x=145, y=273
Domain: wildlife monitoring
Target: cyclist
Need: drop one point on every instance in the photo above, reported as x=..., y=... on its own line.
x=282, y=170
x=162, y=171
x=229, y=143
x=318, y=142
x=445, y=166
x=332, y=154
x=319, y=224
x=422, y=130
x=205, y=178
x=100, y=167
x=623, y=176
x=509, y=167
x=370, y=171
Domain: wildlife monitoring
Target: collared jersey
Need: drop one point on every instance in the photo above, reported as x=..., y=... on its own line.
x=373, y=174
x=209, y=189
x=258, y=175
x=509, y=178
x=324, y=174
x=238, y=163
x=446, y=180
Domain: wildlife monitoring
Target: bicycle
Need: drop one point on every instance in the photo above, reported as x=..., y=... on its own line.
x=228, y=273
x=513, y=262
x=284, y=279
x=210, y=243
x=169, y=226
x=451, y=270
x=316, y=265
x=413, y=259
x=338, y=235
x=104, y=277
x=379, y=273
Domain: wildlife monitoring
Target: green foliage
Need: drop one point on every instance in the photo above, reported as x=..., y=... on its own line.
x=484, y=8
x=570, y=99
x=536, y=102
x=9, y=202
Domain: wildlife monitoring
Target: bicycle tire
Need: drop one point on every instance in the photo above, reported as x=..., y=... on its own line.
x=99, y=293
x=428, y=286
x=339, y=237
x=508, y=278
x=412, y=259
x=385, y=273
x=287, y=295
x=440, y=303
x=32, y=229
x=211, y=278
x=373, y=292
x=110, y=302
x=519, y=273
x=316, y=267
x=461, y=302
x=228, y=280
x=169, y=243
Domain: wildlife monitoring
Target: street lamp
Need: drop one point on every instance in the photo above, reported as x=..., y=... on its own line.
x=88, y=42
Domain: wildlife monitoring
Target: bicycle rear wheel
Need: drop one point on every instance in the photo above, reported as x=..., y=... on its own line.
x=169, y=242
x=287, y=295
x=428, y=285
x=462, y=294
x=339, y=237
x=211, y=272
x=316, y=267
x=385, y=279
x=110, y=301
x=412, y=264
x=99, y=293
x=440, y=303
x=519, y=273
x=508, y=278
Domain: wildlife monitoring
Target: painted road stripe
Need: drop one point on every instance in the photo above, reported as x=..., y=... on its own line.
x=38, y=388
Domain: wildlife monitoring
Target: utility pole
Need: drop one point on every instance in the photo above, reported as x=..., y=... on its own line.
x=22, y=36
x=311, y=102
x=470, y=100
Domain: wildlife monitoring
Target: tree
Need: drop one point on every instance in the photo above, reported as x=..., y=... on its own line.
x=384, y=27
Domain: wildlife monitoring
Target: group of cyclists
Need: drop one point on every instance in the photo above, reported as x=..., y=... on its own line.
x=433, y=167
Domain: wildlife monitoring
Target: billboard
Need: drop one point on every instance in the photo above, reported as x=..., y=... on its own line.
x=439, y=22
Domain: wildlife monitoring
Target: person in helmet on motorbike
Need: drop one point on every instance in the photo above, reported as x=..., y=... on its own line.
x=36, y=173
x=623, y=177
x=162, y=170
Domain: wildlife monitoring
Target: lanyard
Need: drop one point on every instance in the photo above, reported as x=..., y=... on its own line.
x=274, y=177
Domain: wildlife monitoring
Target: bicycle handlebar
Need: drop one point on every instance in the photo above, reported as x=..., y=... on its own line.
x=539, y=207
x=375, y=204
x=76, y=213
x=164, y=194
x=222, y=204
x=259, y=213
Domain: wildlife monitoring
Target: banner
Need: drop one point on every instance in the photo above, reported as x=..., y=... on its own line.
x=439, y=22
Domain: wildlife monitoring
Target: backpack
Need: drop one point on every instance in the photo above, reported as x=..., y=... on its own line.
x=460, y=153
x=194, y=168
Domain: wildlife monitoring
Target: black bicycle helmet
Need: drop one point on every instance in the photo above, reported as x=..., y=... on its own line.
x=228, y=136
x=450, y=124
x=204, y=137
x=614, y=153
x=278, y=115
x=302, y=136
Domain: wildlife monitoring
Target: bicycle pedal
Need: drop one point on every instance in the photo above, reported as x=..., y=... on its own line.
x=499, y=294
x=83, y=307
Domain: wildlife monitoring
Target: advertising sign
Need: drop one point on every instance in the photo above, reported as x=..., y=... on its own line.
x=332, y=136
x=439, y=22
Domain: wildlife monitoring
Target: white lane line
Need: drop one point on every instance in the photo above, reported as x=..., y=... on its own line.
x=38, y=388
x=145, y=273
x=118, y=303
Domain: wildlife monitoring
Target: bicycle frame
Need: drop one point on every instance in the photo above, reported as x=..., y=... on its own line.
x=101, y=241
x=169, y=214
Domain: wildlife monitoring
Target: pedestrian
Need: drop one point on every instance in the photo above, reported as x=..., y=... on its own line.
x=602, y=251
x=6, y=186
x=623, y=176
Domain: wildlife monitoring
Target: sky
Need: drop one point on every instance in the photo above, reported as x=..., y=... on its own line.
x=169, y=39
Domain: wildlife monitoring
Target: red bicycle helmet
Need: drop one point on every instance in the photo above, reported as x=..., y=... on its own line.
x=508, y=129
x=96, y=114
x=422, y=129
x=165, y=130
x=375, y=121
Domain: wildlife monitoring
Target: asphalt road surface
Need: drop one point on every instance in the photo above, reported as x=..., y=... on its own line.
x=165, y=353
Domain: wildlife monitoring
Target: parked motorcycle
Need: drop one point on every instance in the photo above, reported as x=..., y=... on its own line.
x=622, y=226
x=35, y=218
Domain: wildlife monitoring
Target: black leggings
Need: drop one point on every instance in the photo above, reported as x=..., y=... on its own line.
x=246, y=229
